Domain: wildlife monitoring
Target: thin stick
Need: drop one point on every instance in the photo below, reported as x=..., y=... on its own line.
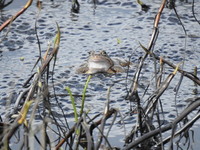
x=6, y=23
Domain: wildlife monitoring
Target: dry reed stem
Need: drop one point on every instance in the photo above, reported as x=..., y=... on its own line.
x=15, y=125
x=167, y=127
x=91, y=128
x=133, y=89
x=6, y=23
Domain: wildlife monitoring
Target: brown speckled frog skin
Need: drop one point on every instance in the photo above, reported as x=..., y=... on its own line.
x=102, y=63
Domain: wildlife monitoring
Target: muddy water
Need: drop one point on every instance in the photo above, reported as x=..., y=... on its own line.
x=114, y=26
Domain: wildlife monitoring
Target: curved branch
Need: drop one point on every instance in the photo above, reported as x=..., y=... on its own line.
x=169, y=126
x=6, y=23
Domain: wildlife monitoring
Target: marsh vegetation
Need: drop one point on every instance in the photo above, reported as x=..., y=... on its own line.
x=154, y=104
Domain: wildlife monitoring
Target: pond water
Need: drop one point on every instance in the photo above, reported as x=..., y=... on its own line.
x=115, y=26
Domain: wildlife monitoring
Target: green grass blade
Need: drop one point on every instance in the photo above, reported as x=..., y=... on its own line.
x=73, y=103
x=84, y=93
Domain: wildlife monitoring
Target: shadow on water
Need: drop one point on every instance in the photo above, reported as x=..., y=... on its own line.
x=4, y=3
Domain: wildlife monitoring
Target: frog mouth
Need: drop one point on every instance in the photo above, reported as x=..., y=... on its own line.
x=103, y=61
x=99, y=64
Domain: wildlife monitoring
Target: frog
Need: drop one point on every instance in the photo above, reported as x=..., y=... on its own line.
x=102, y=63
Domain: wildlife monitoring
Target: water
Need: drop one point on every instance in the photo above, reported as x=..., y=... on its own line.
x=114, y=26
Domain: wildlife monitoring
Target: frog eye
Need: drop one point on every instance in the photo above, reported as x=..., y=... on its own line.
x=103, y=53
x=91, y=52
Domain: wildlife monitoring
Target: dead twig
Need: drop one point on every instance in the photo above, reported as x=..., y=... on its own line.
x=91, y=128
x=6, y=23
x=133, y=89
x=167, y=127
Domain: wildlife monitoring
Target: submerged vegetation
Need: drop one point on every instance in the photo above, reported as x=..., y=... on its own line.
x=53, y=131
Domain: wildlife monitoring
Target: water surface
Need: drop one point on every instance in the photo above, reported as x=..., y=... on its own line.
x=114, y=26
